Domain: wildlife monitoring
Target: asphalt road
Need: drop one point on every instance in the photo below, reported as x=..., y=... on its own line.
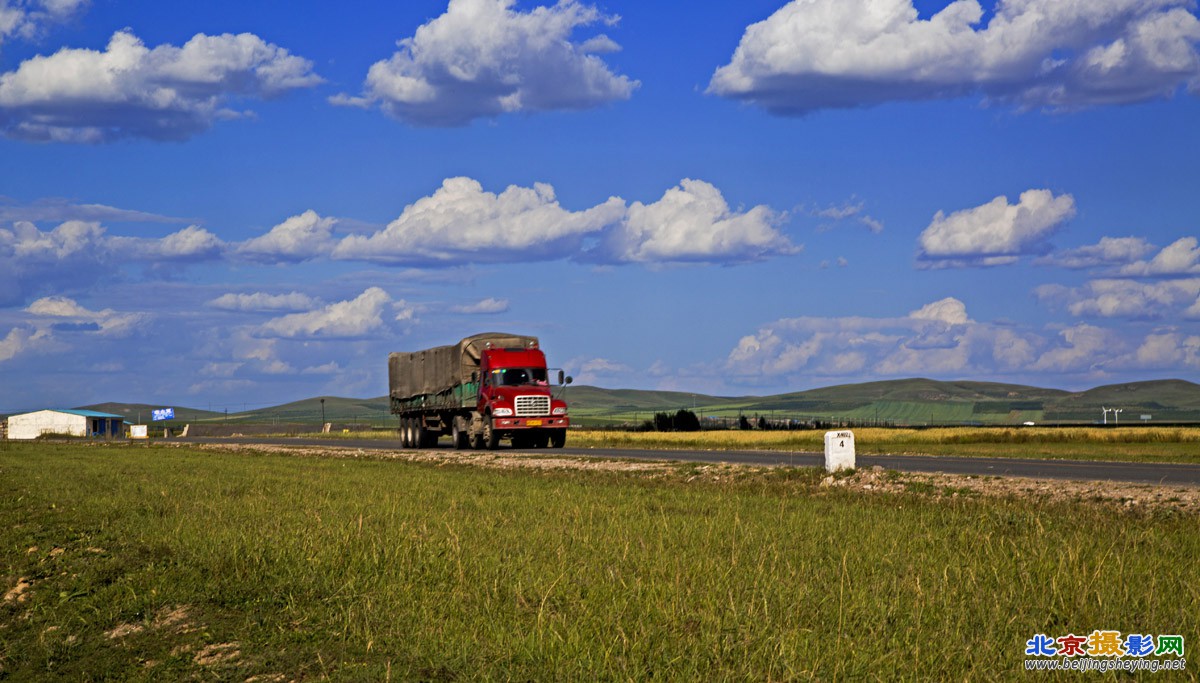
x=1078, y=470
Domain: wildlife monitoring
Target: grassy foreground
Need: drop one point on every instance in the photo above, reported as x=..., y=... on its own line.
x=1130, y=444
x=144, y=563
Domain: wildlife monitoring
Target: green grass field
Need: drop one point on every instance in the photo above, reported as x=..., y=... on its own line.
x=134, y=562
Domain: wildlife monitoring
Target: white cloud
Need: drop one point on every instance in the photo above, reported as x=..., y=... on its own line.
x=61, y=210
x=1181, y=257
x=261, y=301
x=129, y=90
x=1167, y=350
x=1109, y=251
x=27, y=18
x=850, y=211
x=1129, y=299
x=949, y=310
x=692, y=222
x=597, y=371
x=192, y=243
x=298, y=238
x=817, y=54
x=1083, y=348
x=357, y=317
x=461, y=222
x=482, y=58
x=939, y=339
x=483, y=306
x=78, y=253
x=19, y=340
x=107, y=322
x=996, y=233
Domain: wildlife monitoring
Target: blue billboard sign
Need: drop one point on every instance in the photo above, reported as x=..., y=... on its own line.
x=163, y=414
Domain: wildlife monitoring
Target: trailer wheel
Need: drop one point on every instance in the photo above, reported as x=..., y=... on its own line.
x=558, y=438
x=458, y=435
x=404, y=432
x=420, y=435
x=491, y=438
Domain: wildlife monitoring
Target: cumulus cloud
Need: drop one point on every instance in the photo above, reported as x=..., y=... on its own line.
x=1082, y=348
x=996, y=233
x=261, y=301
x=1109, y=251
x=461, y=222
x=1128, y=299
x=1166, y=350
x=1182, y=257
x=19, y=340
x=130, y=90
x=482, y=58
x=81, y=252
x=598, y=371
x=938, y=339
x=819, y=54
x=357, y=317
x=483, y=306
x=27, y=18
x=298, y=238
x=74, y=317
x=692, y=222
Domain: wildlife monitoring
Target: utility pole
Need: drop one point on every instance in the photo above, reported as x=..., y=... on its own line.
x=322, y=414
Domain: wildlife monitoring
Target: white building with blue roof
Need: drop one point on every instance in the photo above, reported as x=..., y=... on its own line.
x=86, y=423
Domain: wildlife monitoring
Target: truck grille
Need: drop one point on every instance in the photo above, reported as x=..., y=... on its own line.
x=533, y=406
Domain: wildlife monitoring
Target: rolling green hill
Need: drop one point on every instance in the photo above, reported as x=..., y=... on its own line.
x=902, y=402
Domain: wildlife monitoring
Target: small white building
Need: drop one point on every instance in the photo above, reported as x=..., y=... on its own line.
x=67, y=422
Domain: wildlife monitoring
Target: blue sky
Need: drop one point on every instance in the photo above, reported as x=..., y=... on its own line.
x=230, y=204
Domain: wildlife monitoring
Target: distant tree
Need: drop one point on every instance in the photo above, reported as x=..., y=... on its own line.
x=662, y=423
x=686, y=421
x=762, y=423
x=743, y=422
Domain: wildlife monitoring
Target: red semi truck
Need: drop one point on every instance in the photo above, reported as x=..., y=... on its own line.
x=483, y=389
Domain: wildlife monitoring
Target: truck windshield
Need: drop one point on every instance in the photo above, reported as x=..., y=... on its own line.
x=515, y=377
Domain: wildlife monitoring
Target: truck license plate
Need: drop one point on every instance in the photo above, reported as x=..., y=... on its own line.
x=533, y=423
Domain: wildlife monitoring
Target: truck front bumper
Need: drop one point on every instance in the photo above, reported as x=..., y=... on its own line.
x=553, y=422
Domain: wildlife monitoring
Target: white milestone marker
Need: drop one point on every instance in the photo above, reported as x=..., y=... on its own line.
x=839, y=451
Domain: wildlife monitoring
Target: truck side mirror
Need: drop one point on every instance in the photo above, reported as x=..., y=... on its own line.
x=560, y=377
x=570, y=379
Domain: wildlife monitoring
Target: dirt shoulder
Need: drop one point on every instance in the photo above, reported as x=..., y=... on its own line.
x=1125, y=497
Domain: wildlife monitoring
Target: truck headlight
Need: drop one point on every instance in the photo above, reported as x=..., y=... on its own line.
x=502, y=412
x=560, y=411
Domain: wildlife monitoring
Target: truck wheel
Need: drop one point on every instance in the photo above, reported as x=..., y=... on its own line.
x=420, y=435
x=558, y=438
x=541, y=440
x=405, y=426
x=458, y=435
x=491, y=438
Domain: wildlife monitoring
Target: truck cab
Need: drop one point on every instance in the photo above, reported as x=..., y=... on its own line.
x=516, y=399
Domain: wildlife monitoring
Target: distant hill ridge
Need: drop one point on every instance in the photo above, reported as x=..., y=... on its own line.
x=904, y=401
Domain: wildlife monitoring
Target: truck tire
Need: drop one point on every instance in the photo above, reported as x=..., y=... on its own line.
x=491, y=438
x=558, y=438
x=541, y=440
x=404, y=433
x=420, y=435
x=459, y=437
